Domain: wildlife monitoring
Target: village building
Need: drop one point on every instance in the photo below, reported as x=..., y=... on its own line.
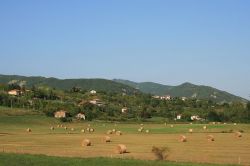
x=14, y=92
x=124, y=110
x=97, y=102
x=183, y=98
x=167, y=97
x=60, y=114
x=195, y=117
x=92, y=92
x=178, y=117
x=80, y=116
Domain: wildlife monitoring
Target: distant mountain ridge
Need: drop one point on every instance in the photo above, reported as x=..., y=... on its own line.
x=67, y=84
x=118, y=85
x=184, y=90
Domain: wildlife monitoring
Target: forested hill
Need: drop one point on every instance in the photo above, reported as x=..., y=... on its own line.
x=67, y=84
x=184, y=90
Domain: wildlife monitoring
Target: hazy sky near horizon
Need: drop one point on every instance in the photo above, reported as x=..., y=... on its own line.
x=163, y=41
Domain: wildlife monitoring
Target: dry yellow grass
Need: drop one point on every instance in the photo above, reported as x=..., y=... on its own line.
x=226, y=149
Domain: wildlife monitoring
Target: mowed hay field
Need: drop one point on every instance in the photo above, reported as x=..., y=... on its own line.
x=226, y=149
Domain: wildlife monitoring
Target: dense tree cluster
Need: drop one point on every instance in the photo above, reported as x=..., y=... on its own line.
x=139, y=106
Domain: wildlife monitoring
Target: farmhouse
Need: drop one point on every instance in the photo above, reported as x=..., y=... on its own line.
x=80, y=116
x=195, y=117
x=14, y=92
x=60, y=114
x=97, y=102
x=167, y=97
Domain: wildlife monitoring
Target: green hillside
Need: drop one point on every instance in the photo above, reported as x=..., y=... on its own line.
x=184, y=90
x=67, y=84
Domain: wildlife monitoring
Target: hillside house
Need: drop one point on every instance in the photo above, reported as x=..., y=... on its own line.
x=60, y=114
x=80, y=116
x=195, y=117
x=183, y=98
x=167, y=97
x=97, y=102
x=124, y=110
x=14, y=92
x=178, y=117
x=92, y=92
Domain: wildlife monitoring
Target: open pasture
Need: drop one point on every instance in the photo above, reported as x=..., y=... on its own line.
x=226, y=148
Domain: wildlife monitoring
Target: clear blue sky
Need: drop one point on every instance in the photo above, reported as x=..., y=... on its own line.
x=169, y=41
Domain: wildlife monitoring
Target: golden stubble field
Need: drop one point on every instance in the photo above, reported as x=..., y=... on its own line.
x=227, y=148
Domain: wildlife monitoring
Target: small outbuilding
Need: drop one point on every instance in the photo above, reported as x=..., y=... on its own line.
x=80, y=116
x=60, y=114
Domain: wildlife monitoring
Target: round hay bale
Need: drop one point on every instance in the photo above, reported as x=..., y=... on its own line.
x=89, y=125
x=113, y=131
x=65, y=128
x=72, y=129
x=86, y=142
x=58, y=126
x=235, y=124
x=191, y=123
x=210, y=138
x=213, y=123
x=109, y=132
x=190, y=131
x=61, y=125
x=171, y=126
x=165, y=124
x=52, y=128
x=139, y=130
x=91, y=130
x=147, y=131
x=204, y=127
x=142, y=124
x=107, y=139
x=83, y=131
x=120, y=149
x=183, y=138
x=88, y=129
x=118, y=133
x=28, y=130
x=238, y=134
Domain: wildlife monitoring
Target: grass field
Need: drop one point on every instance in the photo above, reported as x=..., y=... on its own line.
x=226, y=149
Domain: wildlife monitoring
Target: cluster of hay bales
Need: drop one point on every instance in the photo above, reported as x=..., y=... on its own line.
x=210, y=138
x=183, y=138
x=140, y=129
x=114, y=131
x=90, y=130
x=120, y=149
x=86, y=142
